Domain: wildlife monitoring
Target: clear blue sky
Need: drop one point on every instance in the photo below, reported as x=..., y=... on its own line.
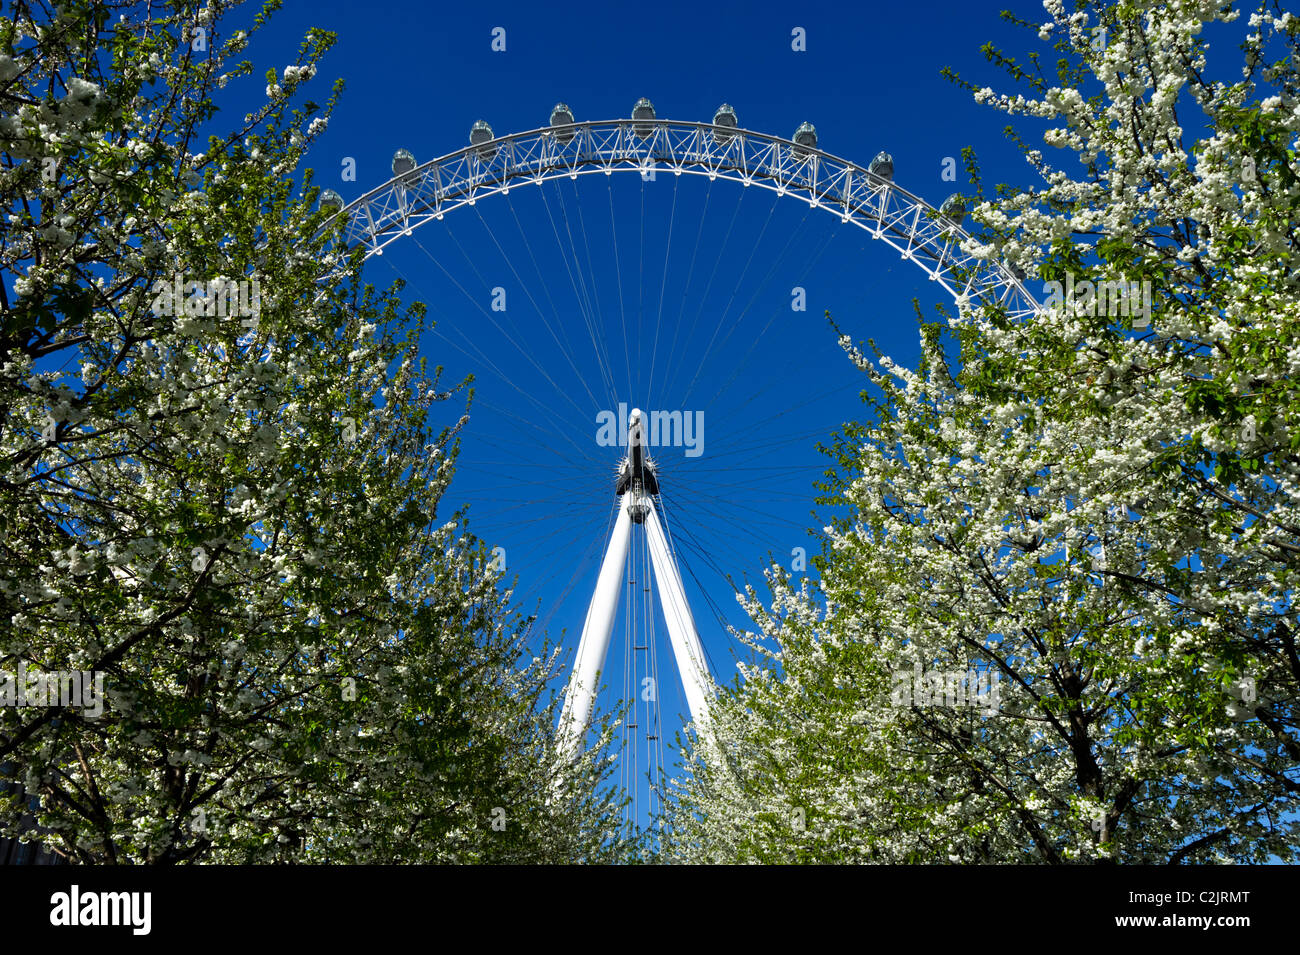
x=774, y=382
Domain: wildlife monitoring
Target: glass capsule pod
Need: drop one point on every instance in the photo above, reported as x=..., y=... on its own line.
x=804, y=138
x=644, y=111
x=403, y=165
x=330, y=201
x=480, y=135
x=953, y=209
x=882, y=166
x=724, y=121
x=562, y=122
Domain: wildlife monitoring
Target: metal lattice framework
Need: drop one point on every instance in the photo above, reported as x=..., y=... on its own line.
x=918, y=231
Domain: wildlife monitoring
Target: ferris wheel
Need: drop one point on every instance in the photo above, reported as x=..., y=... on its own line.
x=598, y=478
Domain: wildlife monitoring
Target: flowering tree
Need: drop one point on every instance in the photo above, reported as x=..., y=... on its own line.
x=1095, y=515
x=220, y=491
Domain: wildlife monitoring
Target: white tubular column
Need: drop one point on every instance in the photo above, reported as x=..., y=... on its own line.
x=596, y=631
x=681, y=625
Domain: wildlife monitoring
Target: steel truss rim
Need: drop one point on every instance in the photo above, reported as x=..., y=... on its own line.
x=436, y=187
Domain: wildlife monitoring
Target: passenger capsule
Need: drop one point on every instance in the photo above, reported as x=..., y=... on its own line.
x=804, y=136
x=330, y=201
x=644, y=111
x=724, y=121
x=403, y=165
x=480, y=135
x=953, y=209
x=562, y=117
x=882, y=166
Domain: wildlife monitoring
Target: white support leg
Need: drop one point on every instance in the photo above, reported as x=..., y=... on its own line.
x=596, y=630
x=637, y=486
x=681, y=625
